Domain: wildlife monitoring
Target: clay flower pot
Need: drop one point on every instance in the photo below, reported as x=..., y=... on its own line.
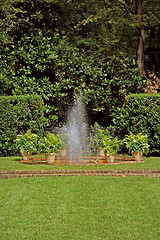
x=63, y=152
x=25, y=155
x=101, y=152
x=50, y=157
x=137, y=156
x=110, y=158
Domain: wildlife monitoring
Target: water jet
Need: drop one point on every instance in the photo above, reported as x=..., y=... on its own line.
x=76, y=131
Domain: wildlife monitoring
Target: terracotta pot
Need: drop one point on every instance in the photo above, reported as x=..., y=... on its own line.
x=25, y=155
x=137, y=156
x=50, y=157
x=101, y=152
x=63, y=152
x=110, y=158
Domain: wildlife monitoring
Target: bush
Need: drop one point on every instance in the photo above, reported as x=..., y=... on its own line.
x=140, y=113
x=50, y=67
x=18, y=114
x=27, y=142
x=49, y=144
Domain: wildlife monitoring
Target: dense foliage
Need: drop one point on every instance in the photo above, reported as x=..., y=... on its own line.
x=152, y=29
x=140, y=113
x=18, y=114
x=59, y=48
x=58, y=72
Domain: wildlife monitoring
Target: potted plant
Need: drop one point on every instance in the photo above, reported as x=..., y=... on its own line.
x=63, y=151
x=27, y=144
x=50, y=145
x=111, y=147
x=98, y=133
x=137, y=144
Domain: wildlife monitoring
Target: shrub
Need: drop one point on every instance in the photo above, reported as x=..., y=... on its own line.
x=27, y=142
x=50, y=144
x=140, y=113
x=136, y=143
x=18, y=114
x=111, y=146
x=50, y=67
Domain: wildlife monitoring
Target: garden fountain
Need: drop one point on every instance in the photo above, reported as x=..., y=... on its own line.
x=77, y=138
x=76, y=131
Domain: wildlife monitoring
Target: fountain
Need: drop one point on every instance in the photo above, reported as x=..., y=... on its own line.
x=76, y=131
x=77, y=138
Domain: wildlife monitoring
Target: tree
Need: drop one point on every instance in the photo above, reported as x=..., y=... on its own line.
x=107, y=27
x=141, y=43
x=8, y=15
x=151, y=11
x=117, y=27
x=56, y=59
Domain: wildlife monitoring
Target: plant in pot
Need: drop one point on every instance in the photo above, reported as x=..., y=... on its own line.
x=64, y=140
x=111, y=147
x=49, y=145
x=97, y=134
x=27, y=144
x=137, y=144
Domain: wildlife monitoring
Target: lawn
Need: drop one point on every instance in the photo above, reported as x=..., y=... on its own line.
x=12, y=163
x=80, y=208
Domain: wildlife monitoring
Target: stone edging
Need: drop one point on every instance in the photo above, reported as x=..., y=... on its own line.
x=53, y=173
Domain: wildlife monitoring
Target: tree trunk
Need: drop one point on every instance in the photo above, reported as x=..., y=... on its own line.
x=140, y=52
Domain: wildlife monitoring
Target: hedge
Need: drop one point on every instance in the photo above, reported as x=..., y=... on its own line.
x=18, y=114
x=140, y=113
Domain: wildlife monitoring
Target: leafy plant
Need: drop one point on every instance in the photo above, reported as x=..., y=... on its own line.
x=49, y=144
x=97, y=134
x=111, y=146
x=136, y=143
x=27, y=142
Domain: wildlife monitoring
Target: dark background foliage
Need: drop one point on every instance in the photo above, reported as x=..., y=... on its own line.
x=58, y=49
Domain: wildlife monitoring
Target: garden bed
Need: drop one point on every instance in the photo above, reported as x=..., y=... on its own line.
x=85, y=161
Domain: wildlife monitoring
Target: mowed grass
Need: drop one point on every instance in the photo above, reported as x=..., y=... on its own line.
x=12, y=163
x=80, y=208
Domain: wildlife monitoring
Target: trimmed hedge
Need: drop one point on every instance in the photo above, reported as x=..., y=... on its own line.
x=18, y=114
x=141, y=112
